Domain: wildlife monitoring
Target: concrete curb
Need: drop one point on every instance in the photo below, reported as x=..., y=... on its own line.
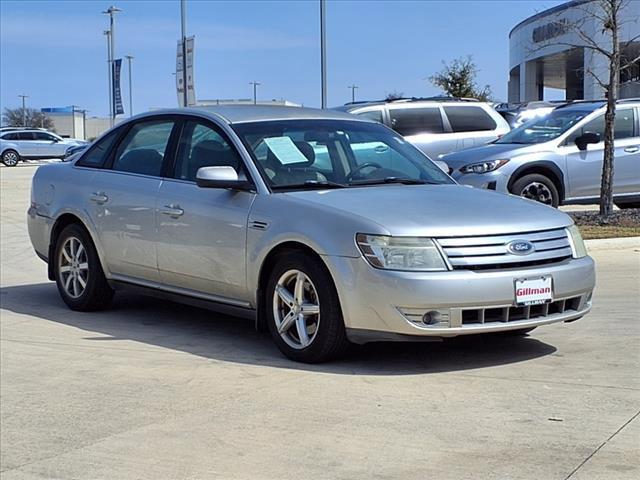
x=613, y=243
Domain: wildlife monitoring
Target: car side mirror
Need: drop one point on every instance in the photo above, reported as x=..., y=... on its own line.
x=586, y=138
x=221, y=177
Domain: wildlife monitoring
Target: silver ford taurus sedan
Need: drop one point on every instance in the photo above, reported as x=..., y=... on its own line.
x=323, y=227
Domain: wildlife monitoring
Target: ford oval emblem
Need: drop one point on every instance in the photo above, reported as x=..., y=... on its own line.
x=520, y=247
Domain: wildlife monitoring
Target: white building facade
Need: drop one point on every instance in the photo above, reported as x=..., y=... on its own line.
x=545, y=50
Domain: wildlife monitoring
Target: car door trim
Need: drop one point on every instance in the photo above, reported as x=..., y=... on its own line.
x=181, y=291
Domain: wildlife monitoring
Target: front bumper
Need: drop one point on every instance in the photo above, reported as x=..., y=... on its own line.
x=387, y=305
x=495, y=180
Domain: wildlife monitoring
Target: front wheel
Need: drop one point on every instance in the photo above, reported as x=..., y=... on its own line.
x=78, y=273
x=537, y=187
x=10, y=158
x=303, y=310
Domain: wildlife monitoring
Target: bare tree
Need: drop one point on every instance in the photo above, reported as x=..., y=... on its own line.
x=603, y=40
x=395, y=95
x=30, y=117
x=458, y=79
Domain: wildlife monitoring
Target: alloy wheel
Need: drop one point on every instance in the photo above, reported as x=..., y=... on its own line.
x=539, y=192
x=73, y=266
x=10, y=159
x=296, y=309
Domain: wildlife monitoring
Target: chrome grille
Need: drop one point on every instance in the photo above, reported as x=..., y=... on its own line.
x=490, y=251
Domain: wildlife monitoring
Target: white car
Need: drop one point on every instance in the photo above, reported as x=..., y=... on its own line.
x=28, y=144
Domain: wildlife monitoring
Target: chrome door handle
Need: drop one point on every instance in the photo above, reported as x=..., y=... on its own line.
x=99, y=197
x=633, y=149
x=173, y=210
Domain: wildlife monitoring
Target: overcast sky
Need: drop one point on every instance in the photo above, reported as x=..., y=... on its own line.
x=55, y=52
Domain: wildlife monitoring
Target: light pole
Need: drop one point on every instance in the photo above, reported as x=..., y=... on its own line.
x=183, y=28
x=129, y=58
x=111, y=11
x=255, y=85
x=24, y=110
x=323, y=54
x=353, y=92
x=107, y=33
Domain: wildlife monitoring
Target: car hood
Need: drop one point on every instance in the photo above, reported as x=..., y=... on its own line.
x=438, y=210
x=492, y=151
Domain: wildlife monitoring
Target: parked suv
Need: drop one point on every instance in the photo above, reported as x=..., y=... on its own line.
x=32, y=143
x=286, y=216
x=557, y=159
x=436, y=125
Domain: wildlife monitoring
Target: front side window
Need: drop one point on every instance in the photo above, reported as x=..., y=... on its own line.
x=414, y=121
x=96, y=156
x=545, y=128
x=469, y=118
x=44, y=137
x=623, y=126
x=201, y=146
x=142, y=149
x=298, y=154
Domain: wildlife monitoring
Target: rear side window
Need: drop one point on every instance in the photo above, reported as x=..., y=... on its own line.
x=413, y=121
x=469, y=119
x=375, y=115
x=142, y=149
x=25, y=136
x=96, y=156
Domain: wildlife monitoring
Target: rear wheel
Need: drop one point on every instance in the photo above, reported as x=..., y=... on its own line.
x=537, y=187
x=303, y=311
x=78, y=273
x=10, y=158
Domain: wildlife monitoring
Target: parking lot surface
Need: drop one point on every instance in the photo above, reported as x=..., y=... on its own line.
x=156, y=390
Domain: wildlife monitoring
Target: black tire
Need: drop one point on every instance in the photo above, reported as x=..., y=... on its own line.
x=537, y=187
x=97, y=294
x=624, y=206
x=330, y=340
x=10, y=158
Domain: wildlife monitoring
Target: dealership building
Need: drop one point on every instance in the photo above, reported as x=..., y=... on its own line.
x=545, y=50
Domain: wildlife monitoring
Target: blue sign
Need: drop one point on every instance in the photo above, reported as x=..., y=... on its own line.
x=117, y=93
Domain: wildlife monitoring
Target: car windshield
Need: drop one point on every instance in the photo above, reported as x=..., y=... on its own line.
x=543, y=129
x=306, y=154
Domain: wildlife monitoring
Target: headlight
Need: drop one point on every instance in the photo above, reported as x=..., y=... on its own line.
x=401, y=253
x=483, y=167
x=577, y=244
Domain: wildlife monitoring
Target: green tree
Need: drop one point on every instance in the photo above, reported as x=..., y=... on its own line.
x=458, y=79
x=30, y=117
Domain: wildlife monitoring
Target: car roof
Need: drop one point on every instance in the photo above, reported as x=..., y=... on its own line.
x=258, y=113
x=351, y=106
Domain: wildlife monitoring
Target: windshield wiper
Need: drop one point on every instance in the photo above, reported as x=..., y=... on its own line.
x=310, y=184
x=403, y=181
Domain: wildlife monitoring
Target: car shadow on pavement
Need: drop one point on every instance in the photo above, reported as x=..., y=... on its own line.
x=220, y=337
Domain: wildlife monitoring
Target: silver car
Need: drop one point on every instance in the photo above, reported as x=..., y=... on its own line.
x=436, y=125
x=322, y=227
x=32, y=144
x=557, y=159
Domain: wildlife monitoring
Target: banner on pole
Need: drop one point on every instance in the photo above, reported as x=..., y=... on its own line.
x=180, y=66
x=117, y=92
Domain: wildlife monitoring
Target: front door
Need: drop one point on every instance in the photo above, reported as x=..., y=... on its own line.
x=584, y=167
x=123, y=200
x=202, y=231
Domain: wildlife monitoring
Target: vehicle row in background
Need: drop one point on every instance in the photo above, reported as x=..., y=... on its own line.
x=518, y=113
x=436, y=125
x=557, y=158
x=17, y=144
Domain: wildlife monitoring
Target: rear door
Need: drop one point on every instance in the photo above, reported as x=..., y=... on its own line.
x=471, y=124
x=423, y=126
x=26, y=143
x=123, y=198
x=202, y=231
x=585, y=167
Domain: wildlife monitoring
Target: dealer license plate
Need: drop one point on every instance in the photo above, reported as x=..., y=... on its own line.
x=534, y=291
